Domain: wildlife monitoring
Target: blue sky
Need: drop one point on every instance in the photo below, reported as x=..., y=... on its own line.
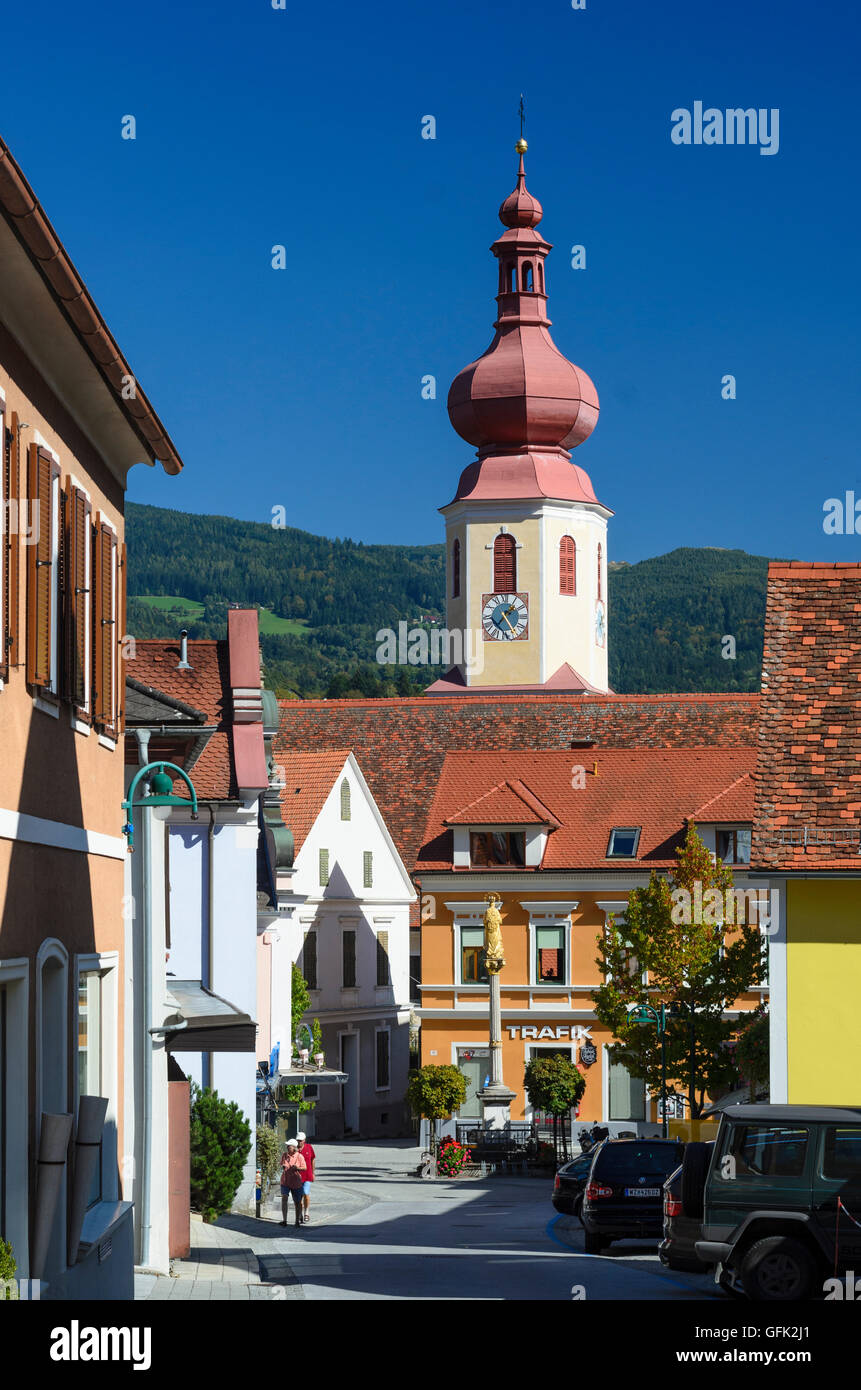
x=301, y=387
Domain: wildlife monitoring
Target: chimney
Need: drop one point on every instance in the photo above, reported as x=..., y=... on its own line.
x=184, y=664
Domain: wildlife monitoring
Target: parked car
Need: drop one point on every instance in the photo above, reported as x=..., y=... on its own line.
x=624, y=1194
x=779, y=1198
x=681, y=1233
x=569, y=1185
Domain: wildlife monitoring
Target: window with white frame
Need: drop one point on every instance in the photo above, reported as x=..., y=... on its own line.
x=472, y=960
x=89, y=1042
x=550, y=965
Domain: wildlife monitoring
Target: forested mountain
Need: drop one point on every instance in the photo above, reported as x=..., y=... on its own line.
x=326, y=600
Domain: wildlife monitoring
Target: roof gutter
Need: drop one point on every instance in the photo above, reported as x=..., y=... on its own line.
x=28, y=221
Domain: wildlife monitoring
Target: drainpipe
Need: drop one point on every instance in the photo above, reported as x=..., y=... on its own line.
x=210, y=912
x=146, y=1126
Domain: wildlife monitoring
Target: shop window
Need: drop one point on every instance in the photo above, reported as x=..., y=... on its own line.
x=627, y=1094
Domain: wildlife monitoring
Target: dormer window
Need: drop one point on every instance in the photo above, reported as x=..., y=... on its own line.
x=489, y=848
x=624, y=842
x=732, y=843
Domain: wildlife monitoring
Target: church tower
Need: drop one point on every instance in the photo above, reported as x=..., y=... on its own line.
x=526, y=537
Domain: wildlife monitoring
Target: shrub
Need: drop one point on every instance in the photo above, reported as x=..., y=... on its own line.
x=435, y=1092
x=268, y=1157
x=220, y=1140
x=8, y=1269
x=452, y=1157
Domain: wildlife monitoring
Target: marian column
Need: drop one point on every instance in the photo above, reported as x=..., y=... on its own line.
x=495, y=1098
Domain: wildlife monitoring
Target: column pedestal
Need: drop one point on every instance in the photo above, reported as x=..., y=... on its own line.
x=495, y=1098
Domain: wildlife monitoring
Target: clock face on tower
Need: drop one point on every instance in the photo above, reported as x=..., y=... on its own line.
x=600, y=624
x=505, y=617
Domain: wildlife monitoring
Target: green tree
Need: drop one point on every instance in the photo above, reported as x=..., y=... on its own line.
x=220, y=1140
x=677, y=948
x=553, y=1084
x=435, y=1092
x=8, y=1268
x=300, y=998
x=752, y=1051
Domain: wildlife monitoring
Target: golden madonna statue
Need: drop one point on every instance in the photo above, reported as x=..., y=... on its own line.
x=494, y=959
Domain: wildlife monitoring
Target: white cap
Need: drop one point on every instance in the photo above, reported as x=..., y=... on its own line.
x=301, y=1136
x=291, y=1143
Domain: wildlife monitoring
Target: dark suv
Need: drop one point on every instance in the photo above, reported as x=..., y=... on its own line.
x=779, y=1198
x=624, y=1194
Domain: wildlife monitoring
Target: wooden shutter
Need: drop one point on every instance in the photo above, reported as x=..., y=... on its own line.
x=382, y=958
x=324, y=867
x=567, y=574
x=118, y=642
x=104, y=665
x=77, y=594
x=41, y=616
x=368, y=869
x=16, y=521
x=504, y=565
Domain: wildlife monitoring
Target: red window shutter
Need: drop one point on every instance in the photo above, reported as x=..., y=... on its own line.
x=78, y=593
x=567, y=572
x=120, y=634
x=6, y=537
x=40, y=567
x=504, y=565
x=11, y=548
x=104, y=675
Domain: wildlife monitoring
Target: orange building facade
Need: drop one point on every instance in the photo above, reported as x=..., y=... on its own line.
x=555, y=909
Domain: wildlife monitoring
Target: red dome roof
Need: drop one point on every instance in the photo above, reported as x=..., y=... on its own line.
x=522, y=393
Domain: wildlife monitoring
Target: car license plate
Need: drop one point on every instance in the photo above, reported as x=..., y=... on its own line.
x=642, y=1192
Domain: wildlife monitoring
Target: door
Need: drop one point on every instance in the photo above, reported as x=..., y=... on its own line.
x=474, y=1062
x=350, y=1088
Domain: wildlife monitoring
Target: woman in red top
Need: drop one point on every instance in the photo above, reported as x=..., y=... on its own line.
x=309, y=1155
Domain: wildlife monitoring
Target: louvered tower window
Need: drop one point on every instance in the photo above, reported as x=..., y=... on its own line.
x=505, y=564
x=567, y=566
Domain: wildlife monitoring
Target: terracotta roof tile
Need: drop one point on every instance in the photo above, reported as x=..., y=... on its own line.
x=655, y=789
x=401, y=744
x=806, y=813
x=309, y=778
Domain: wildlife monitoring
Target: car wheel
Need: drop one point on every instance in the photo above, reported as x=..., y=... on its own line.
x=592, y=1244
x=778, y=1270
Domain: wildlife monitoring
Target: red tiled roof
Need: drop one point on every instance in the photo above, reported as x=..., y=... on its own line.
x=508, y=803
x=207, y=687
x=401, y=744
x=735, y=803
x=309, y=778
x=809, y=767
x=656, y=789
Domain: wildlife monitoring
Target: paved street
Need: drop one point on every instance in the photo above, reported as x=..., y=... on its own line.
x=379, y=1232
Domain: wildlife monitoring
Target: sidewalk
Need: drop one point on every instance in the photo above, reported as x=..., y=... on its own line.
x=241, y=1257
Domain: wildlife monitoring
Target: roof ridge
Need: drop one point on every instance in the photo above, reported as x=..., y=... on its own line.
x=718, y=795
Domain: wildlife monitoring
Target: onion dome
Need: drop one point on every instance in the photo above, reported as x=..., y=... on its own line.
x=522, y=394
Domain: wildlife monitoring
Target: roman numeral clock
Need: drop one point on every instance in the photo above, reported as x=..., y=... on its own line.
x=505, y=617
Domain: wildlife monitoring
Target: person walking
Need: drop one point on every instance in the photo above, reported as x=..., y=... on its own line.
x=307, y=1152
x=293, y=1168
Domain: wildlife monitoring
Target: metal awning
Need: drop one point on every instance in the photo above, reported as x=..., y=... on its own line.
x=310, y=1076
x=204, y=1022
